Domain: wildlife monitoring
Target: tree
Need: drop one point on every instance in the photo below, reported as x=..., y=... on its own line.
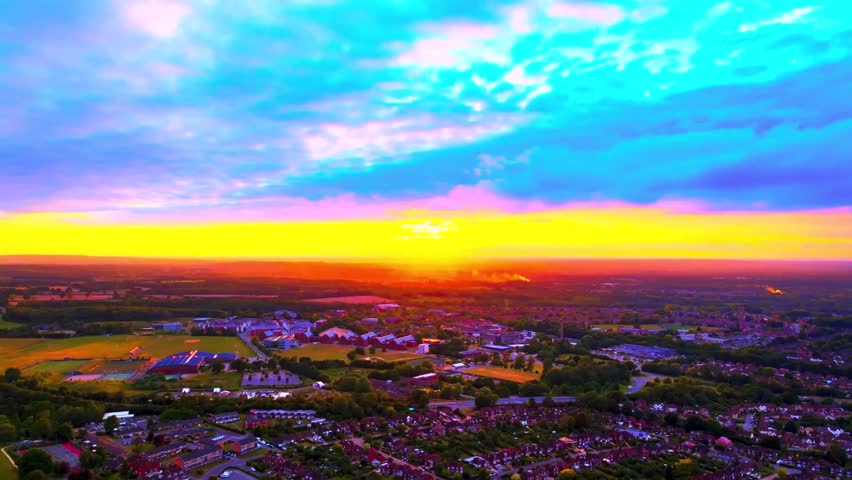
x=12, y=374
x=65, y=432
x=520, y=362
x=239, y=365
x=671, y=419
x=41, y=427
x=531, y=363
x=110, y=424
x=8, y=432
x=484, y=397
x=419, y=398
x=837, y=454
x=35, y=459
x=80, y=474
x=372, y=349
x=217, y=367
x=567, y=423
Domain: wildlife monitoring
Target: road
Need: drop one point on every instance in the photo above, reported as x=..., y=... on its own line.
x=360, y=442
x=247, y=340
x=232, y=463
x=239, y=475
x=454, y=404
x=639, y=382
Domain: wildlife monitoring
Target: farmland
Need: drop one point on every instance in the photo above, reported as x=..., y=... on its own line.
x=27, y=352
x=500, y=373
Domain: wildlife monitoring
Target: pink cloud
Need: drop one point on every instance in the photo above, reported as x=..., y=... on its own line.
x=376, y=139
x=447, y=45
x=600, y=14
x=158, y=18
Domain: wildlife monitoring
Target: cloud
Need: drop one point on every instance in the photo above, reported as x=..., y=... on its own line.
x=165, y=110
x=158, y=18
x=596, y=13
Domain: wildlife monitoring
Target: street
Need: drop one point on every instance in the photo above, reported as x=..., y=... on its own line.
x=454, y=404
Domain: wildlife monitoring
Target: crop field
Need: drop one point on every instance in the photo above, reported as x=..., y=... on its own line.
x=500, y=373
x=26, y=352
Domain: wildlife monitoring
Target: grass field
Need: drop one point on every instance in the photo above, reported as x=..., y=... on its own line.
x=7, y=471
x=25, y=352
x=500, y=373
x=320, y=351
x=5, y=324
x=57, y=366
x=644, y=326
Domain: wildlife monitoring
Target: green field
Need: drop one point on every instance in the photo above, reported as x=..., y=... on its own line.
x=57, y=366
x=5, y=324
x=500, y=373
x=644, y=326
x=26, y=352
x=320, y=351
x=7, y=471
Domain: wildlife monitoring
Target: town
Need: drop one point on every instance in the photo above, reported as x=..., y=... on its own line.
x=369, y=386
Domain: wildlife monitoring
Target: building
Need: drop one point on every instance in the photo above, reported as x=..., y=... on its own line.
x=338, y=333
x=497, y=348
x=199, y=457
x=427, y=379
x=122, y=416
x=241, y=445
x=284, y=342
x=228, y=417
x=165, y=451
x=384, y=307
x=169, y=326
x=644, y=352
x=188, y=362
x=423, y=348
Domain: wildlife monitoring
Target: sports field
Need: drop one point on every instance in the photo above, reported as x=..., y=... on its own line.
x=500, y=373
x=27, y=352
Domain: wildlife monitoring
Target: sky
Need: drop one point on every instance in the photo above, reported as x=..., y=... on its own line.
x=427, y=130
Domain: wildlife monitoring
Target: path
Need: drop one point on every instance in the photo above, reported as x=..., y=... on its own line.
x=11, y=462
x=247, y=340
x=637, y=383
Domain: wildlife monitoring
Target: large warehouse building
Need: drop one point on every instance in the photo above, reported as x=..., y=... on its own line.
x=188, y=362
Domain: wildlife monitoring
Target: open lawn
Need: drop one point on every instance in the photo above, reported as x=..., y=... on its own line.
x=321, y=351
x=5, y=324
x=25, y=352
x=57, y=366
x=500, y=373
x=7, y=471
